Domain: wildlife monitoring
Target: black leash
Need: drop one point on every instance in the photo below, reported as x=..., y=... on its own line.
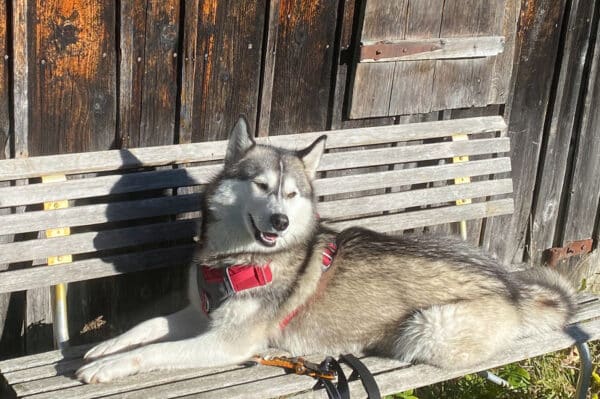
x=341, y=390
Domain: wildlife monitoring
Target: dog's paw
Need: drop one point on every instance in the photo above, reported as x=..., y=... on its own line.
x=109, y=368
x=108, y=347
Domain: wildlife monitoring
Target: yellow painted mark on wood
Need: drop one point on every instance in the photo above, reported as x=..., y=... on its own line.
x=60, y=290
x=462, y=180
x=59, y=231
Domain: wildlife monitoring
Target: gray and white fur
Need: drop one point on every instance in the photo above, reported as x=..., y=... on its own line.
x=420, y=299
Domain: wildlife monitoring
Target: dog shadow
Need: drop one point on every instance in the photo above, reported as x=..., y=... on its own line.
x=104, y=308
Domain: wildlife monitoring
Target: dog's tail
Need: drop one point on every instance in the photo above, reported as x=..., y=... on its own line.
x=547, y=300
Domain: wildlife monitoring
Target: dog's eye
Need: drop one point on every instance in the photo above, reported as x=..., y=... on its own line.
x=262, y=186
x=291, y=195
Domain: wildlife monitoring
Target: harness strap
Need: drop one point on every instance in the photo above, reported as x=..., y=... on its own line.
x=327, y=260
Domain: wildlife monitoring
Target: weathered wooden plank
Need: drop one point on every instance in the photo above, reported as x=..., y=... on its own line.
x=410, y=78
x=431, y=217
x=148, y=72
x=199, y=152
x=73, y=62
x=72, y=388
x=43, y=372
x=42, y=359
x=500, y=78
x=401, y=177
x=350, y=208
x=5, y=133
x=99, y=213
x=384, y=20
x=21, y=54
x=268, y=75
x=554, y=170
x=371, y=90
x=424, y=19
x=42, y=276
x=539, y=37
x=583, y=195
x=372, y=84
x=106, y=185
x=303, y=66
x=440, y=48
x=97, y=241
x=392, y=155
x=223, y=52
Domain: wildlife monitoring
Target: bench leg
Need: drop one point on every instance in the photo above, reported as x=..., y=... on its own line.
x=585, y=373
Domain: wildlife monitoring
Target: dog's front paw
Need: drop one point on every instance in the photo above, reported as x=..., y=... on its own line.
x=108, y=347
x=108, y=368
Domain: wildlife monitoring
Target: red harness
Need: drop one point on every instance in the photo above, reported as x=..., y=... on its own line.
x=217, y=285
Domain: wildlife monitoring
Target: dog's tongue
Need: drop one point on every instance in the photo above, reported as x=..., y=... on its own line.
x=270, y=236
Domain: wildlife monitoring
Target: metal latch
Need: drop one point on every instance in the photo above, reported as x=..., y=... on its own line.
x=384, y=49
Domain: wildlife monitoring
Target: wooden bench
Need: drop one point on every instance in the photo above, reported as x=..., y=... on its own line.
x=365, y=180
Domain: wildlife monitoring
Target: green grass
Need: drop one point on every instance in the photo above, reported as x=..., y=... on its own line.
x=548, y=377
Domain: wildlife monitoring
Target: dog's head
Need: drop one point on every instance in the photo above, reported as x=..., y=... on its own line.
x=263, y=201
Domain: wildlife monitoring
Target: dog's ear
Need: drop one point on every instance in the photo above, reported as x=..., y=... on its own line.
x=240, y=141
x=311, y=155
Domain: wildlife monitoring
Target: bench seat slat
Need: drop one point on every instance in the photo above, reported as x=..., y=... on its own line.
x=100, y=213
x=72, y=388
x=349, y=208
x=14, y=169
x=42, y=359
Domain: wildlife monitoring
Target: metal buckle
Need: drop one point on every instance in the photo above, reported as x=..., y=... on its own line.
x=228, y=284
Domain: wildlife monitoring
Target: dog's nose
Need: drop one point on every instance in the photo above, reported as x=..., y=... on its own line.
x=280, y=221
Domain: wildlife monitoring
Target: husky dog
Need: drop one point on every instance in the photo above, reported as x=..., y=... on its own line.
x=269, y=274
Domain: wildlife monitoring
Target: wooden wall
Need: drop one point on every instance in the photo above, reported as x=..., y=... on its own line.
x=84, y=75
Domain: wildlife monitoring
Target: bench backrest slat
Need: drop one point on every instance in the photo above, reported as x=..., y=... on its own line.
x=430, y=217
x=43, y=276
x=354, y=207
x=407, y=177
